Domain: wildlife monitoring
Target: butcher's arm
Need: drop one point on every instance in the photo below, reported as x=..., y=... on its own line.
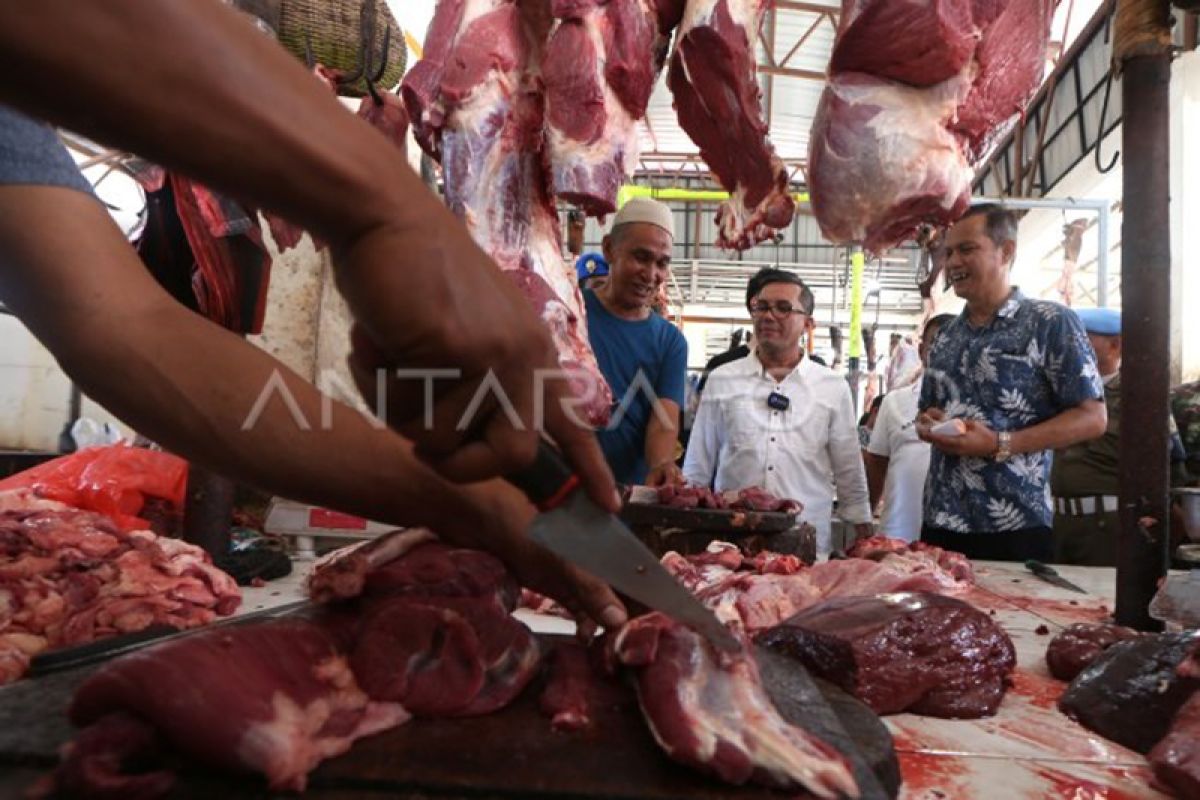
x=193, y=85
x=70, y=276
x=877, y=454
x=662, y=439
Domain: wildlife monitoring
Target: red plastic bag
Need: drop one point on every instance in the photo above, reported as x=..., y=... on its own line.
x=113, y=480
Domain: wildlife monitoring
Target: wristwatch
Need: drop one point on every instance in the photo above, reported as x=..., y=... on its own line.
x=1003, y=446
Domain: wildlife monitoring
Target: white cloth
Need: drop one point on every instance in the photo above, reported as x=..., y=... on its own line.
x=800, y=453
x=895, y=438
x=904, y=367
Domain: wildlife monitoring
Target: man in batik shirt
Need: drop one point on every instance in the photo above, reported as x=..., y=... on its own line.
x=1008, y=380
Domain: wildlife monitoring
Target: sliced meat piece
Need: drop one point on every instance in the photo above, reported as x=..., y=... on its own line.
x=109, y=760
x=713, y=78
x=427, y=659
x=1133, y=690
x=1077, y=646
x=881, y=162
x=288, y=698
x=566, y=699
x=710, y=711
x=907, y=651
x=1176, y=757
x=917, y=42
x=343, y=573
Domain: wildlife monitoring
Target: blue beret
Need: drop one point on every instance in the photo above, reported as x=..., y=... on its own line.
x=1100, y=321
x=590, y=265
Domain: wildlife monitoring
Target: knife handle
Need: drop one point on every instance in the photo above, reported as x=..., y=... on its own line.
x=548, y=481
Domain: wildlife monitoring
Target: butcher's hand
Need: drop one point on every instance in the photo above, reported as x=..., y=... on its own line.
x=448, y=350
x=495, y=517
x=863, y=530
x=665, y=474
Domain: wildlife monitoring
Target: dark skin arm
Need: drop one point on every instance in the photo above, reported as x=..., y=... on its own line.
x=194, y=86
x=68, y=273
x=1085, y=421
x=662, y=433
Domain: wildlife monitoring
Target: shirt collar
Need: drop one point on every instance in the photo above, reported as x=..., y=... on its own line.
x=758, y=369
x=1010, y=306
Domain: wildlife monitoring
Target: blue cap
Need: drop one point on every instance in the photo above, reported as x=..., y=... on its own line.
x=590, y=265
x=1100, y=321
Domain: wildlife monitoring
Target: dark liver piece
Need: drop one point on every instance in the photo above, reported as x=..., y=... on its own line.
x=907, y=651
x=1176, y=758
x=1080, y=644
x=1132, y=691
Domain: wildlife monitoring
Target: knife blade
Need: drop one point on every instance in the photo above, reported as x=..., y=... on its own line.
x=1050, y=575
x=572, y=526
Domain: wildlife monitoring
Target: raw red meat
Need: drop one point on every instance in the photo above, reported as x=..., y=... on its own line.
x=566, y=698
x=1176, y=757
x=69, y=577
x=1133, y=690
x=710, y=711
x=908, y=651
x=1009, y=65
x=752, y=498
x=430, y=634
x=917, y=42
x=599, y=69
x=761, y=599
x=917, y=89
x=713, y=78
x=98, y=762
x=1074, y=648
x=287, y=698
x=477, y=104
x=881, y=160
x=878, y=547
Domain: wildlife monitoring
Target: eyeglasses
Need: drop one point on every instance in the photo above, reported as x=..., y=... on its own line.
x=780, y=308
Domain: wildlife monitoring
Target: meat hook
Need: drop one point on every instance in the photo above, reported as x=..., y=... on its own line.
x=1108, y=80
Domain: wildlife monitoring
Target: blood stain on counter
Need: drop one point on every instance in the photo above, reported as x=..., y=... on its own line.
x=1071, y=787
x=933, y=777
x=1041, y=691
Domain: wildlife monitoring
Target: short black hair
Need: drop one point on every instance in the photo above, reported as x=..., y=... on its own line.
x=768, y=275
x=935, y=324
x=1001, y=224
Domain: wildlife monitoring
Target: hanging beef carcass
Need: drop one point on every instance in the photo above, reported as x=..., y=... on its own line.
x=881, y=159
x=966, y=68
x=712, y=76
x=599, y=69
x=476, y=103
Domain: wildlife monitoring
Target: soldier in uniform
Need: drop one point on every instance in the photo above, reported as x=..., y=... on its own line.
x=1083, y=477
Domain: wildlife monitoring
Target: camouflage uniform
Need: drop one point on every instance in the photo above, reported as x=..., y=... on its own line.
x=1084, y=478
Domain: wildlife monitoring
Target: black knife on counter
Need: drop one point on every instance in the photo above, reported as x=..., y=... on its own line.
x=575, y=528
x=1051, y=576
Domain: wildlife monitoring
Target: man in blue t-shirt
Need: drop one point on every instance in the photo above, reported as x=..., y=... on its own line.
x=642, y=356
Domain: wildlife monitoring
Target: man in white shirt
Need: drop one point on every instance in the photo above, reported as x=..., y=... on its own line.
x=896, y=459
x=778, y=420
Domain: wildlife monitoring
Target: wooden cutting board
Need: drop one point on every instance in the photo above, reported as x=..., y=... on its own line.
x=507, y=755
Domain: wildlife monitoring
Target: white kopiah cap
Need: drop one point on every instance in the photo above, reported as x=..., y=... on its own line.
x=645, y=209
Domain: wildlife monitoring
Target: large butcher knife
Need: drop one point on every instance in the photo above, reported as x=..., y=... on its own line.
x=574, y=527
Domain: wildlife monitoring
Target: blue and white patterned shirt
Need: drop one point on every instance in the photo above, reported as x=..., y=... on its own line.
x=1030, y=363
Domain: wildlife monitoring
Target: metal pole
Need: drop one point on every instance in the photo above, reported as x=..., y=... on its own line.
x=1102, y=259
x=1142, y=45
x=857, y=262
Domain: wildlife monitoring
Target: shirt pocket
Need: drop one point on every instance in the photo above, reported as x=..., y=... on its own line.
x=746, y=422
